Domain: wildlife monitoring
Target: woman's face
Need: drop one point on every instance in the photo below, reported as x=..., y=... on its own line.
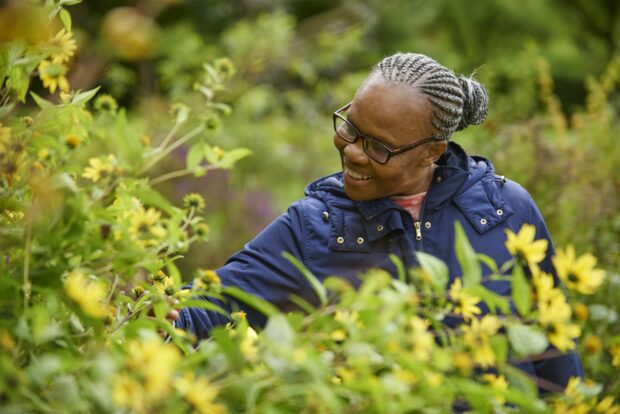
x=397, y=116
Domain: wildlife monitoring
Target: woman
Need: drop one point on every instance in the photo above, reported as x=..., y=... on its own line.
x=402, y=187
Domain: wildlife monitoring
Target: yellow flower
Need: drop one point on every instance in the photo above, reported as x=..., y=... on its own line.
x=614, y=351
x=421, y=339
x=210, y=277
x=99, y=168
x=52, y=74
x=578, y=274
x=573, y=390
x=581, y=311
x=145, y=227
x=465, y=303
x=523, y=246
x=247, y=346
x=592, y=344
x=463, y=362
x=498, y=383
x=128, y=392
x=87, y=293
x=63, y=46
x=338, y=335
x=154, y=363
x=199, y=393
x=476, y=337
x=553, y=308
x=72, y=141
x=606, y=406
x=562, y=335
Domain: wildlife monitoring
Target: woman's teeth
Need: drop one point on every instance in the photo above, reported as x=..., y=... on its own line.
x=357, y=176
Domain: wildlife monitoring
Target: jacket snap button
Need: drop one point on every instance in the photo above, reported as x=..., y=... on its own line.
x=380, y=227
x=500, y=212
x=360, y=240
x=427, y=224
x=340, y=240
x=325, y=216
x=483, y=221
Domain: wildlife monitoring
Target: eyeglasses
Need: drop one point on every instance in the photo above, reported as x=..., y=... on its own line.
x=375, y=149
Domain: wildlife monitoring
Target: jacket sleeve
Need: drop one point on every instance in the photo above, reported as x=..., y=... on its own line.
x=557, y=369
x=259, y=269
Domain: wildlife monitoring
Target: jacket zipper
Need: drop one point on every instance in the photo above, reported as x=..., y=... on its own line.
x=418, y=232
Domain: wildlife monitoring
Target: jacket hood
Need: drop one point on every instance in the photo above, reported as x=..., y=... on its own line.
x=455, y=173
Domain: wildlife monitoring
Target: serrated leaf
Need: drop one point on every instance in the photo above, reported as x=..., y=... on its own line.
x=253, y=301
x=153, y=198
x=82, y=97
x=526, y=340
x=229, y=158
x=65, y=18
x=316, y=285
x=465, y=254
x=436, y=269
x=195, y=155
x=42, y=103
x=521, y=291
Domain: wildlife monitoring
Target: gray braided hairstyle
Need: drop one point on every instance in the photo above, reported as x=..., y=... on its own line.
x=459, y=101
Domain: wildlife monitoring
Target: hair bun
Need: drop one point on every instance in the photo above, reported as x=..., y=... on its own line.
x=475, y=102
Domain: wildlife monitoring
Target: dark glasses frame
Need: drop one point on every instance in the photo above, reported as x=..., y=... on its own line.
x=366, y=139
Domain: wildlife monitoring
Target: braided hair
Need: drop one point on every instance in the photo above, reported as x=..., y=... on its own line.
x=459, y=101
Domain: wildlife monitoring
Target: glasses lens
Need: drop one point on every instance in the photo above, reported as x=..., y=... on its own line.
x=375, y=150
x=344, y=129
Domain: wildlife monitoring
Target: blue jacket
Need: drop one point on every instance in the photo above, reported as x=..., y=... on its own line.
x=334, y=235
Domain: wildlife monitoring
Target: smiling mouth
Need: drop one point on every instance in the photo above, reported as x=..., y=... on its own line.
x=357, y=176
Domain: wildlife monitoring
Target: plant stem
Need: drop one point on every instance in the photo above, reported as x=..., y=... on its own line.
x=27, y=285
x=178, y=173
x=172, y=147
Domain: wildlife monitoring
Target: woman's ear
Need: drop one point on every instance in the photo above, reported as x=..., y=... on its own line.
x=434, y=151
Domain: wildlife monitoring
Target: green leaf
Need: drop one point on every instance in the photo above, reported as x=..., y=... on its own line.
x=489, y=262
x=436, y=269
x=526, y=340
x=65, y=18
x=316, y=285
x=472, y=272
x=521, y=291
x=229, y=158
x=279, y=331
x=153, y=198
x=400, y=267
x=195, y=155
x=42, y=103
x=81, y=98
x=492, y=299
x=203, y=304
x=253, y=301
x=6, y=109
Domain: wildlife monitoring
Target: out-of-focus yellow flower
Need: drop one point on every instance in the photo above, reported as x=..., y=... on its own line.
x=465, y=304
x=338, y=335
x=72, y=141
x=421, y=339
x=562, y=335
x=99, y=168
x=476, y=337
x=52, y=74
x=211, y=278
x=89, y=294
x=247, y=346
x=6, y=341
x=145, y=228
x=128, y=392
x=498, y=383
x=434, y=379
x=62, y=46
x=580, y=273
x=592, y=344
x=199, y=394
x=581, y=311
x=154, y=363
x=463, y=362
x=607, y=406
x=553, y=308
x=523, y=246
x=614, y=351
x=573, y=390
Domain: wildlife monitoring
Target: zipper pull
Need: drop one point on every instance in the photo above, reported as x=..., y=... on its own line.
x=418, y=232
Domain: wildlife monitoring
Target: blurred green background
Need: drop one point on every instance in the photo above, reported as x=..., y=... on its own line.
x=548, y=65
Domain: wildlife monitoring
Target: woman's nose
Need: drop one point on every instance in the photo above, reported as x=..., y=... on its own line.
x=355, y=152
